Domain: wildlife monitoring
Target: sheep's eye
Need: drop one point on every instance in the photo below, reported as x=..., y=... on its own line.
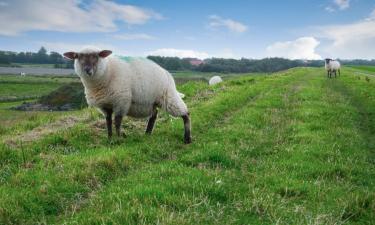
x=94, y=58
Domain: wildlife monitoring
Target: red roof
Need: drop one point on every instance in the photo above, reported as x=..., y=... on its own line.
x=196, y=62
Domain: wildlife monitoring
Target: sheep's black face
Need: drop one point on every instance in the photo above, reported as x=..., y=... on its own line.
x=328, y=60
x=88, y=62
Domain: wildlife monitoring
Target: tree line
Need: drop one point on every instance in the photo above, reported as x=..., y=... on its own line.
x=243, y=65
x=218, y=65
x=40, y=57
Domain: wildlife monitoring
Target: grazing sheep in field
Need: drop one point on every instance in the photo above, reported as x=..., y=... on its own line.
x=22, y=74
x=136, y=87
x=214, y=80
x=332, y=66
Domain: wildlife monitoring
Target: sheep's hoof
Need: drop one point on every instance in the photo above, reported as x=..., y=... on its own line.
x=187, y=140
x=122, y=135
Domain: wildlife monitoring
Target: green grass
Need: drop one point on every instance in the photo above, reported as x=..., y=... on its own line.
x=183, y=76
x=364, y=68
x=14, y=90
x=19, y=91
x=290, y=148
x=17, y=88
x=37, y=79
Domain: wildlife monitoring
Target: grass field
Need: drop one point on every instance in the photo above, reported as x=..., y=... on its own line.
x=364, y=68
x=16, y=88
x=289, y=148
x=184, y=76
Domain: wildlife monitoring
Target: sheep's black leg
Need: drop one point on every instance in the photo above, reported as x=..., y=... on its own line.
x=327, y=73
x=151, y=121
x=118, y=120
x=187, y=135
x=108, y=118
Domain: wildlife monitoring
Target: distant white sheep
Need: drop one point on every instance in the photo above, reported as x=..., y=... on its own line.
x=128, y=86
x=215, y=80
x=332, y=66
x=22, y=74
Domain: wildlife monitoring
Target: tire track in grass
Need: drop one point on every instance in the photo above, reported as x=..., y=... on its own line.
x=313, y=179
x=227, y=162
x=137, y=173
x=352, y=157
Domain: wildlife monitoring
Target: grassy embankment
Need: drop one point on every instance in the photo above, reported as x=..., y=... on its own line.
x=291, y=148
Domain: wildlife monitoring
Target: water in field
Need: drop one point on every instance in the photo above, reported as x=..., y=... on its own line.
x=35, y=71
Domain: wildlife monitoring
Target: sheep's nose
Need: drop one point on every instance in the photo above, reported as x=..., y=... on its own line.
x=88, y=70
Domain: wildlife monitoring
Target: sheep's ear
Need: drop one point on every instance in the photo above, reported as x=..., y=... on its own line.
x=105, y=53
x=71, y=55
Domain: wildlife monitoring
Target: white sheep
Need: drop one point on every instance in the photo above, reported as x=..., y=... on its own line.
x=332, y=66
x=128, y=86
x=214, y=80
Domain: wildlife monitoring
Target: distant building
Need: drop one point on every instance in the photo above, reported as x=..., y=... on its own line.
x=196, y=62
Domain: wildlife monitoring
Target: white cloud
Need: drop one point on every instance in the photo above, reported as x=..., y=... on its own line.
x=127, y=37
x=3, y=4
x=342, y=4
x=338, y=5
x=62, y=47
x=181, y=53
x=329, y=9
x=19, y=16
x=301, y=48
x=186, y=53
x=216, y=21
x=354, y=40
x=190, y=38
x=226, y=53
x=372, y=15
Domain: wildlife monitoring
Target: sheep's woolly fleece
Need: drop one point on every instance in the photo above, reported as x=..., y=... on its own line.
x=332, y=65
x=215, y=80
x=132, y=86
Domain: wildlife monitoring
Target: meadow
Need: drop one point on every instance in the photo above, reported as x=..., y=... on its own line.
x=291, y=147
x=365, y=68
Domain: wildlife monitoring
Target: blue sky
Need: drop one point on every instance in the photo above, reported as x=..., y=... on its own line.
x=303, y=29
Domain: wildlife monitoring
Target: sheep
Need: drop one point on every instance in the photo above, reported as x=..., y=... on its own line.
x=23, y=74
x=135, y=87
x=214, y=80
x=332, y=66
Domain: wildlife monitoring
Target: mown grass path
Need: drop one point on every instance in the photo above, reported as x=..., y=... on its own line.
x=294, y=148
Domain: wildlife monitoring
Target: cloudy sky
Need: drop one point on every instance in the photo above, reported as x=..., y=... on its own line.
x=303, y=29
